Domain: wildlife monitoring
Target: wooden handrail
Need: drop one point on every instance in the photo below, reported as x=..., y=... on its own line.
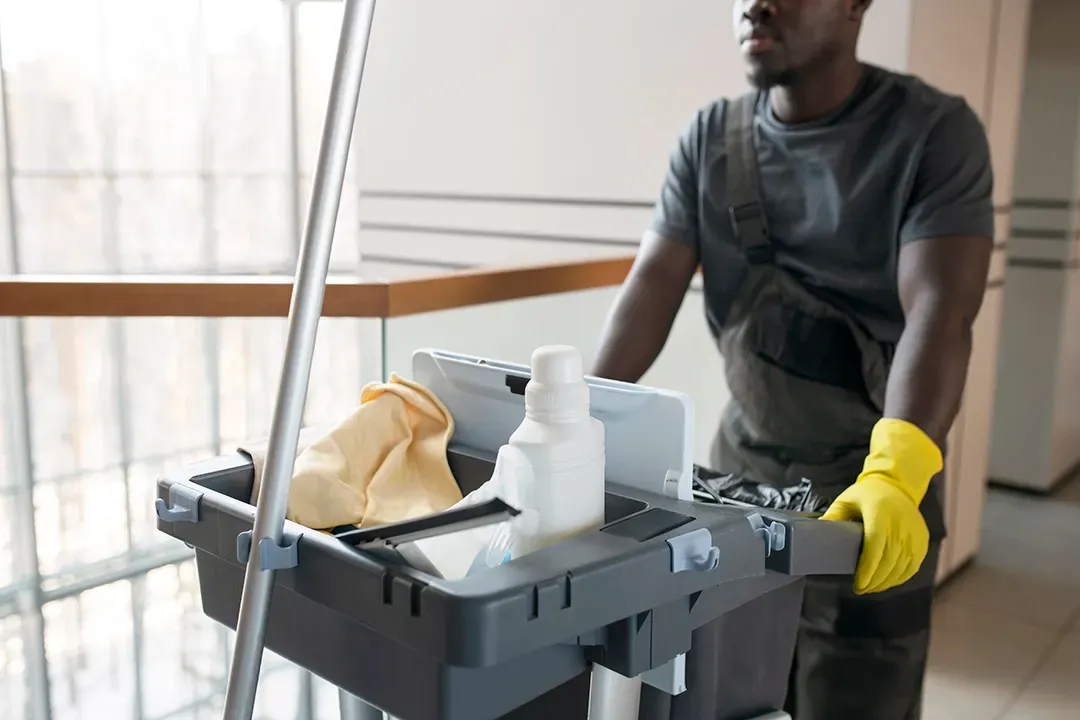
x=269, y=296
x=176, y=296
x=484, y=286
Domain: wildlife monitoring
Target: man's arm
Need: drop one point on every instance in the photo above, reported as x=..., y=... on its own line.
x=944, y=260
x=942, y=283
x=942, y=280
x=945, y=248
x=641, y=318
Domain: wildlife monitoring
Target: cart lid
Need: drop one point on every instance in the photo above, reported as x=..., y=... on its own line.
x=649, y=432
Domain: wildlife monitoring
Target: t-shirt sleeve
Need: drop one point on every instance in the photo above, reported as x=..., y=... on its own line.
x=675, y=214
x=954, y=184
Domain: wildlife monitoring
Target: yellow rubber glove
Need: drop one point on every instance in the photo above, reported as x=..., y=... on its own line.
x=886, y=497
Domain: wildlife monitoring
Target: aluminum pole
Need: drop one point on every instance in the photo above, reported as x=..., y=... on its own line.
x=353, y=708
x=306, y=308
x=612, y=696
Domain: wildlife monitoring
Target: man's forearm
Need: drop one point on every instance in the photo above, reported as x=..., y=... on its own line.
x=929, y=372
x=640, y=320
x=635, y=333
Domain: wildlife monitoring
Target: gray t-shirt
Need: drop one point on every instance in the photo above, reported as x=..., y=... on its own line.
x=898, y=161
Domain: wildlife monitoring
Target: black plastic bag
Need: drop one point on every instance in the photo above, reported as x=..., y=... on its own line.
x=732, y=489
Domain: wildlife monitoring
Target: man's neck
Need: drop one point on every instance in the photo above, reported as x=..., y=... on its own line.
x=817, y=93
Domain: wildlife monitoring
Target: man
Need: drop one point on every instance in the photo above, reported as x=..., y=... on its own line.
x=842, y=219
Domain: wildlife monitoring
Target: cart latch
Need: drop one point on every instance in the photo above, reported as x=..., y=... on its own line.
x=183, y=505
x=774, y=534
x=694, y=552
x=271, y=556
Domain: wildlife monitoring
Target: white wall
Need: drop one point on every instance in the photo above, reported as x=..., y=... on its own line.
x=1037, y=428
x=558, y=98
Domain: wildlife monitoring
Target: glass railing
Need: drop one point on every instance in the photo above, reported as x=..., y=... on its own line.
x=112, y=404
x=104, y=603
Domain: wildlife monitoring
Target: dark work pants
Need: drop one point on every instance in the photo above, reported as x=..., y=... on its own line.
x=863, y=657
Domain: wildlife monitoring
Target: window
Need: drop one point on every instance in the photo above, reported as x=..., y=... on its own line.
x=148, y=136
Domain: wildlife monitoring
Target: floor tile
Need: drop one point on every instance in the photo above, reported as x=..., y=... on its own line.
x=1035, y=597
x=1025, y=516
x=1047, y=557
x=1033, y=536
x=1054, y=693
x=979, y=662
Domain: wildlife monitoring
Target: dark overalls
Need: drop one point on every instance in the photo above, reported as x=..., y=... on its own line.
x=807, y=385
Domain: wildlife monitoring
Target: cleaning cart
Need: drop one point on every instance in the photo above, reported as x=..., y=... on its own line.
x=609, y=625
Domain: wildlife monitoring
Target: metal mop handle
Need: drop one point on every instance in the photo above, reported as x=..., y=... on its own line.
x=304, y=313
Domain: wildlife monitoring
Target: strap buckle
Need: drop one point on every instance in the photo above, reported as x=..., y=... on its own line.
x=751, y=232
x=760, y=254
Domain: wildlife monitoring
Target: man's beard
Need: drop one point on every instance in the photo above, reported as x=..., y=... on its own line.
x=764, y=78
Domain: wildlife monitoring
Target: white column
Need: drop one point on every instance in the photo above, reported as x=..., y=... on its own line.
x=1037, y=426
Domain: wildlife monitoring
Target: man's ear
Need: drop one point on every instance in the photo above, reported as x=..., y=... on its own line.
x=858, y=9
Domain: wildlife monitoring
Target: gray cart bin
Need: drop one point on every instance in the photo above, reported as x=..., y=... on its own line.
x=628, y=596
x=663, y=574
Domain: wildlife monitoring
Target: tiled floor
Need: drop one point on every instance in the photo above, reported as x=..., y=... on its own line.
x=1007, y=630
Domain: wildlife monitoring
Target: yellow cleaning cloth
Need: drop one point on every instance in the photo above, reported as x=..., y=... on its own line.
x=384, y=463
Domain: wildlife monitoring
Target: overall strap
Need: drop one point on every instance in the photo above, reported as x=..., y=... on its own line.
x=745, y=209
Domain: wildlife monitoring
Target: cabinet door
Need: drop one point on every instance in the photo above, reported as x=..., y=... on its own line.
x=946, y=566
x=968, y=462
x=974, y=456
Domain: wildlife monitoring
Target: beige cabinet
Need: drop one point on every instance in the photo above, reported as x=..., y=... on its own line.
x=969, y=441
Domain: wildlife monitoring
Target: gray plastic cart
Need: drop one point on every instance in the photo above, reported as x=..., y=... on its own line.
x=599, y=626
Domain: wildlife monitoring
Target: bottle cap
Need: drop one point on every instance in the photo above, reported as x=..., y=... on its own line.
x=557, y=388
x=557, y=364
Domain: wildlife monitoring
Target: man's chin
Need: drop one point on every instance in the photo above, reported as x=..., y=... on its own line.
x=762, y=77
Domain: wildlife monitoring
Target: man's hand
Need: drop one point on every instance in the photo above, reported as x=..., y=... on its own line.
x=895, y=536
x=886, y=498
